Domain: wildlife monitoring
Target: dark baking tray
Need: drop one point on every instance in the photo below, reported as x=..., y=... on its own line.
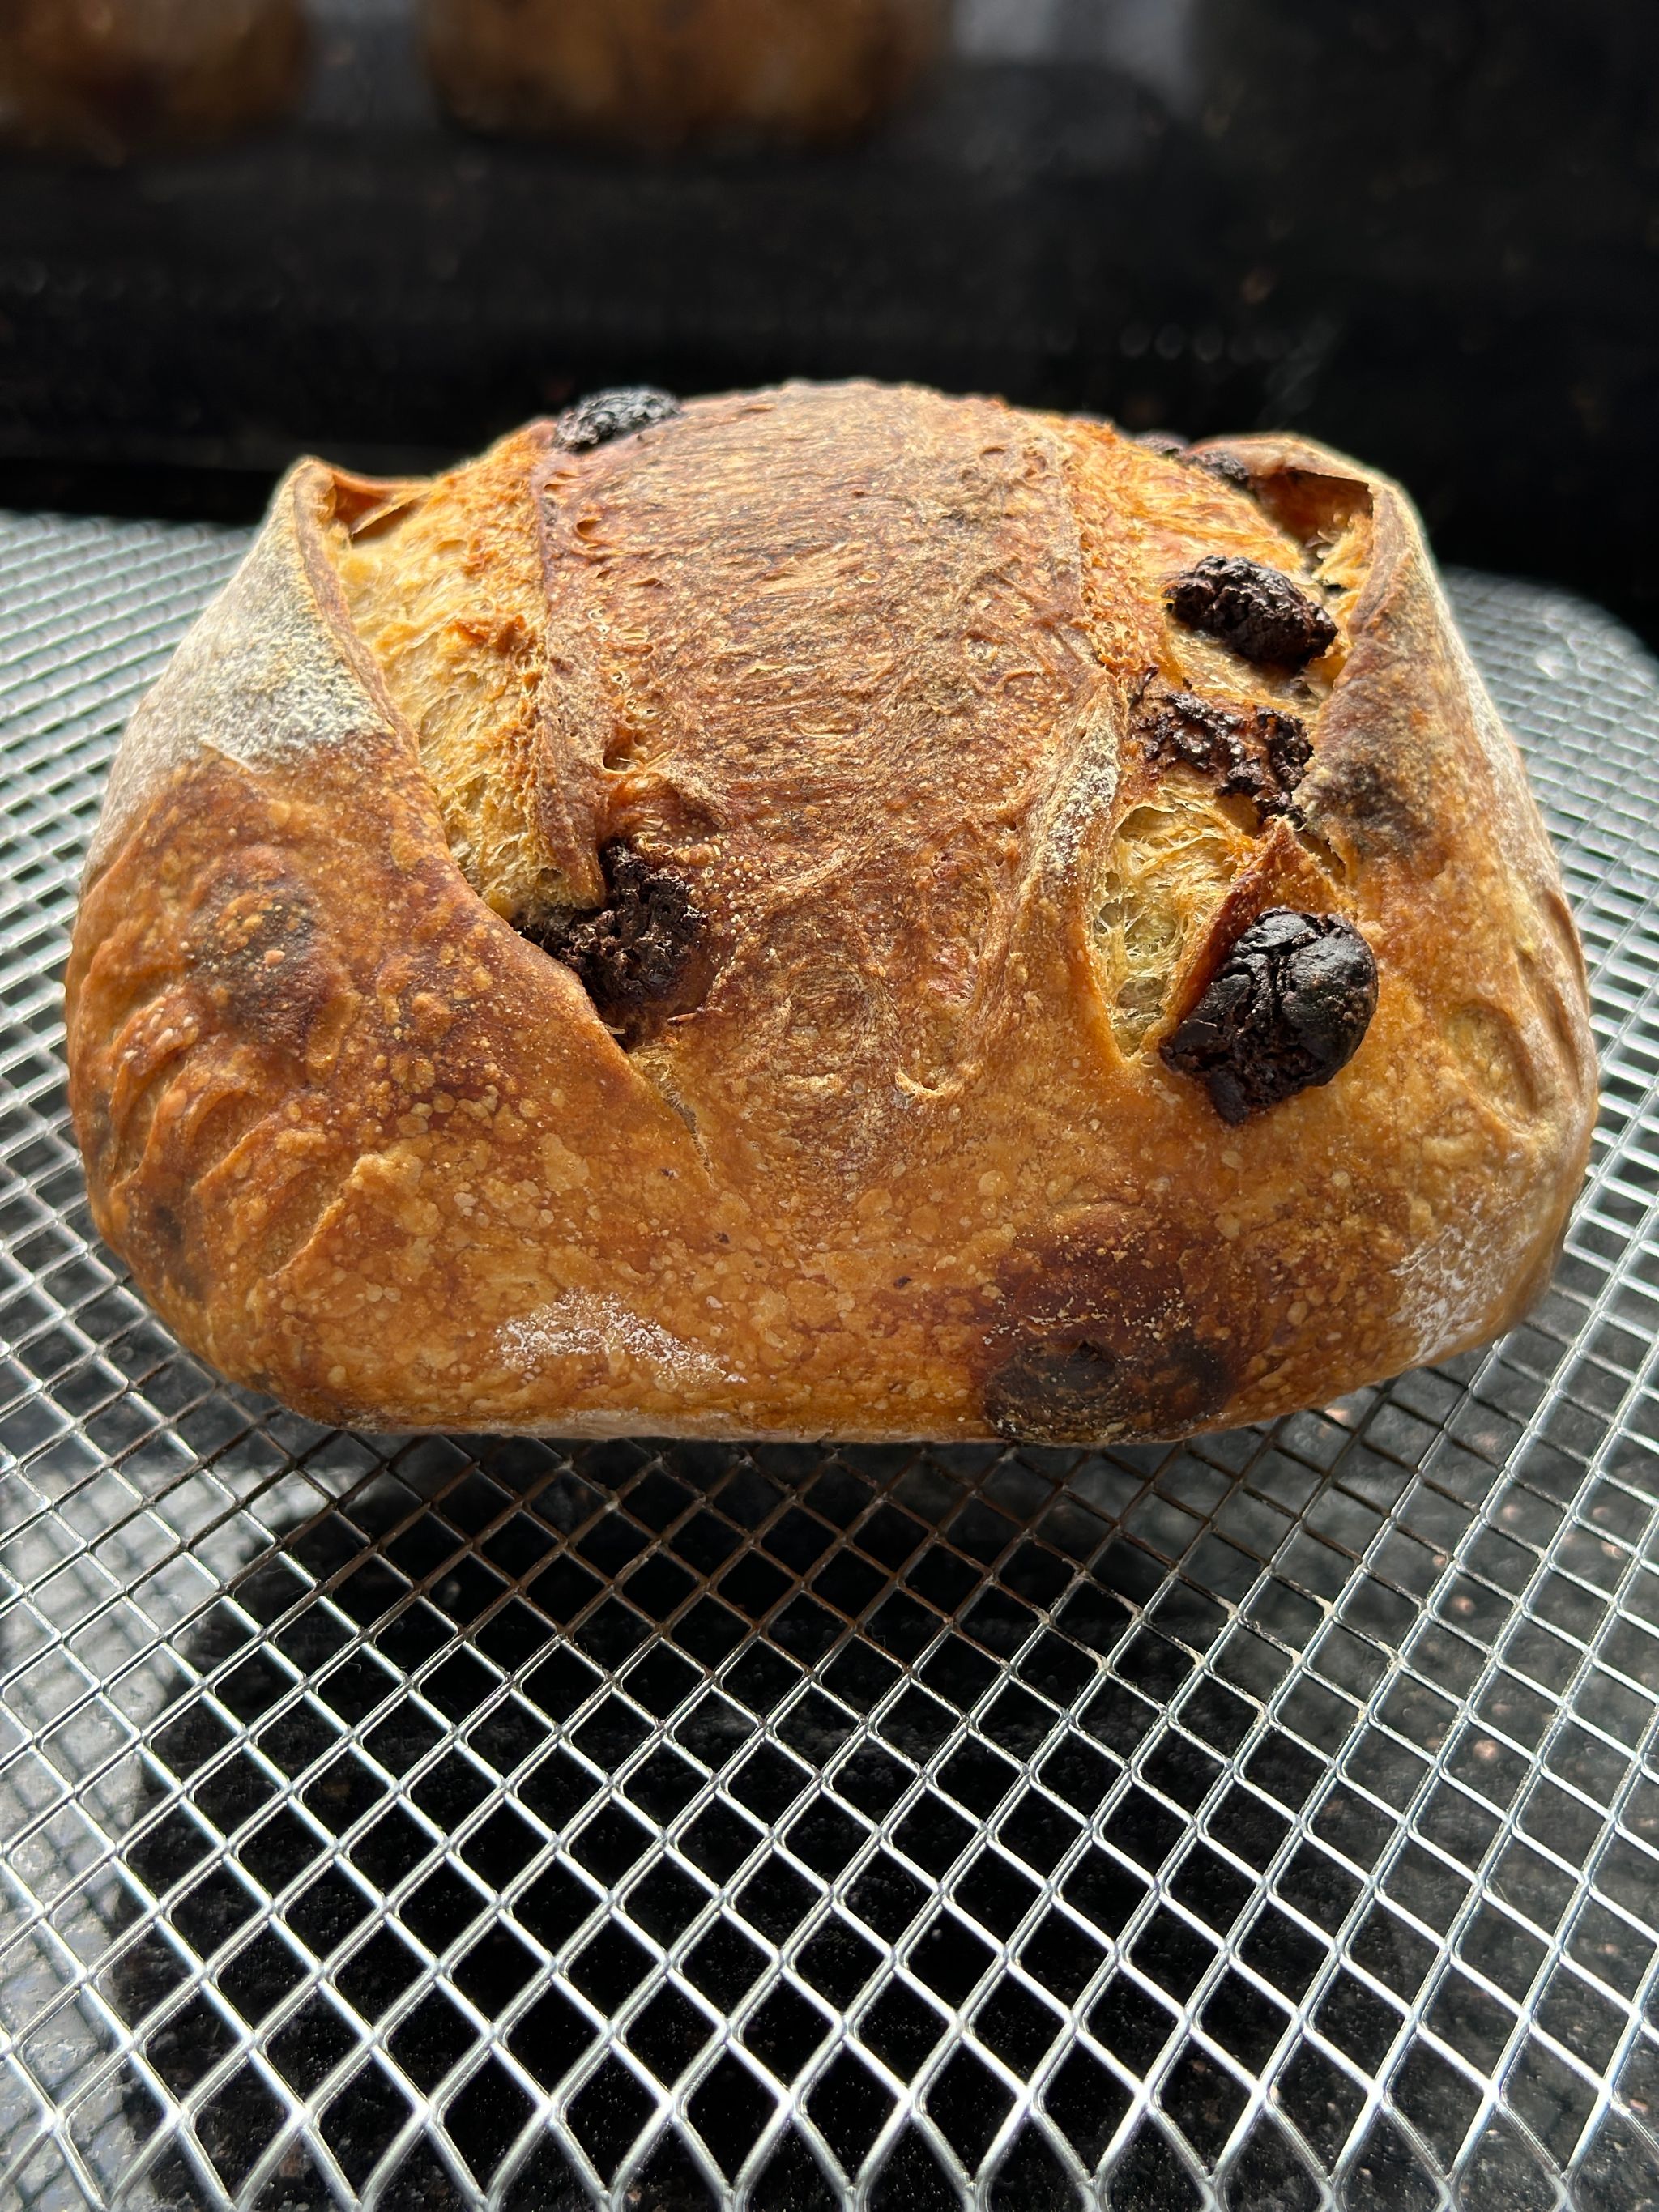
x=1271, y=1822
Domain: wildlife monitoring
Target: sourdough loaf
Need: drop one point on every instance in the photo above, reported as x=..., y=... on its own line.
x=830, y=911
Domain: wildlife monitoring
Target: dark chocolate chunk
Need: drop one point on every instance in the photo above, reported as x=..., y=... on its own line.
x=1256, y=610
x=1247, y=779
x=1261, y=755
x=1286, y=1009
x=644, y=956
x=1075, y=1389
x=603, y=415
x=1227, y=466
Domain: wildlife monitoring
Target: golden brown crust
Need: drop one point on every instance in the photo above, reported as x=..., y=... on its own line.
x=867, y=672
x=657, y=73
x=106, y=77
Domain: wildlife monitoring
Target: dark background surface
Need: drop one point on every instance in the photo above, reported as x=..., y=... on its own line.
x=1427, y=231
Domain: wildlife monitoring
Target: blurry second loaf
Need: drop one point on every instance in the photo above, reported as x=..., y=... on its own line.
x=104, y=76
x=660, y=73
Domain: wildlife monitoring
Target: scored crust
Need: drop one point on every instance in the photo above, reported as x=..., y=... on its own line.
x=875, y=676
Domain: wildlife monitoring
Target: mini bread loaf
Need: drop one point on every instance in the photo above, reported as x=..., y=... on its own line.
x=828, y=912
x=110, y=77
x=660, y=73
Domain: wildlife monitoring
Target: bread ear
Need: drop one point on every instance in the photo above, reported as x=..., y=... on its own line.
x=271, y=672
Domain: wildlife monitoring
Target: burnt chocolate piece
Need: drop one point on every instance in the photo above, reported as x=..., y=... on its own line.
x=1256, y=611
x=643, y=957
x=1262, y=755
x=1286, y=746
x=1226, y=466
x=603, y=415
x=1286, y=1009
x=1180, y=725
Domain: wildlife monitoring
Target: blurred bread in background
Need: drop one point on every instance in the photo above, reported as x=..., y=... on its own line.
x=661, y=73
x=107, y=77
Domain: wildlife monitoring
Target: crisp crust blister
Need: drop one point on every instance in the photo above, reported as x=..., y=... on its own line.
x=862, y=674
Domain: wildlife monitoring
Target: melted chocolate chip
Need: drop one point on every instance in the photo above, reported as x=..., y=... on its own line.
x=1055, y=1393
x=1077, y=1390
x=607, y=415
x=1226, y=466
x=643, y=957
x=1286, y=1009
x=258, y=955
x=1261, y=755
x=1256, y=610
x=1378, y=804
x=1162, y=442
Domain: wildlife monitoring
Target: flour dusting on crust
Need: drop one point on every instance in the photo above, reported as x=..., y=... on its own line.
x=587, y=1324
x=1085, y=800
x=261, y=678
x=1449, y=1287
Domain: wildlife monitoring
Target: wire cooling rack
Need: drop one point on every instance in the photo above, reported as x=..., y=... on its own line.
x=1268, y=1823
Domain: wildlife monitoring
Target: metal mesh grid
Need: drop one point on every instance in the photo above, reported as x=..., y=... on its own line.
x=1265, y=1823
